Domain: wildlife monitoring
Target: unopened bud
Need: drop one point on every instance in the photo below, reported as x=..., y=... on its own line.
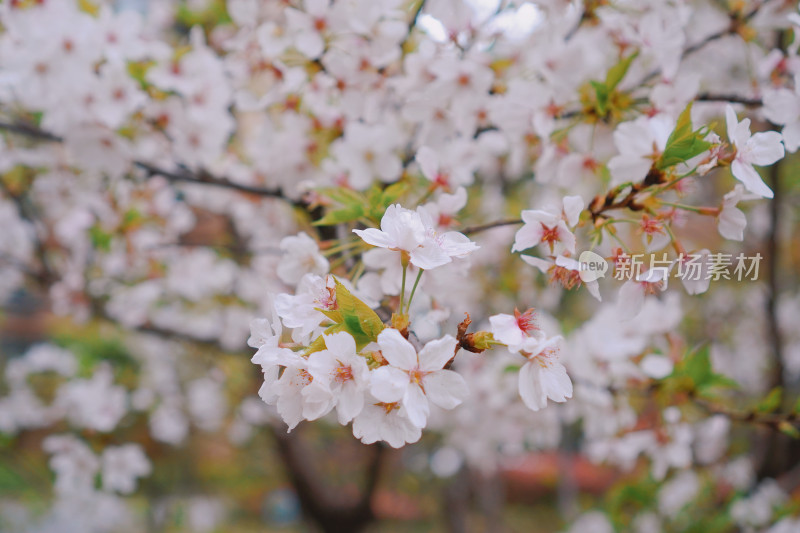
x=478, y=342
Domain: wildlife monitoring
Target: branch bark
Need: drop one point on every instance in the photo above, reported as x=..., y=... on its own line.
x=183, y=175
x=331, y=512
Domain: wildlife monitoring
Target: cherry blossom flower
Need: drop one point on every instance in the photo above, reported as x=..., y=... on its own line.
x=542, y=376
x=566, y=271
x=514, y=330
x=301, y=257
x=343, y=372
x=417, y=378
x=413, y=232
x=632, y=293
x=122, y=465
x=731, y=221
x=549, y=226
x=763, y=148
x=640, y=143
x=782, y=106
x=300, y=311
x=387, y=422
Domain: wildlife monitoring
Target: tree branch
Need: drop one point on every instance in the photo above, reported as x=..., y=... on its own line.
x=204, y=178
x=329, y=510
x=30, y=130
x=184, y=175
x=732, y=98
x=471, y=230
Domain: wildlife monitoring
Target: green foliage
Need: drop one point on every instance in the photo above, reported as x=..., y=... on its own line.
x=771, y=402
x=603, y=91
x=694, y=374
x=138, y=71
x=358, y=318
x=630, y=497
x=93, y=349
x=351, y=315
x=100, y=238
x=684, y=143
x=355, y=205
x=215, y=14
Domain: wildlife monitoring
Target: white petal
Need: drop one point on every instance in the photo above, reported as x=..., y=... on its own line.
x=397, y=350
x=528, y=236
x=437, y=353
x=626, y=169
x=428, y=162
x=555, y=382
x=791, y=136
x=530, y=387
x=416, y=405
x=538, y=262
x=340, y=344
x=429, y=256
x=630, y=300
x=750, y=178
x=731, y=223
x=731, y=122
x=350, y=402
x=388, y=384
x=505, y=329
x=656, y=366
x=375, y=237
x=445, y=388
x=765, y=148
x=573, y=205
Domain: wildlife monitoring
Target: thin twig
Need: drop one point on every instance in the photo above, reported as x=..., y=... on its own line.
x=184, y=175
x=471, y=230
x=732, y=98
x=30, y=130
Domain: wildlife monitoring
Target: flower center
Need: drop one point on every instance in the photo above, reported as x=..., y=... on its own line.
x=343, y=373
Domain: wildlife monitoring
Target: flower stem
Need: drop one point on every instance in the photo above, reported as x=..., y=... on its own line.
x=403, y=288
x=413, y=290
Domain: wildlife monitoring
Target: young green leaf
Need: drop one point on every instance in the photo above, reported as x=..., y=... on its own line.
x=683, y=143
x=358, y=318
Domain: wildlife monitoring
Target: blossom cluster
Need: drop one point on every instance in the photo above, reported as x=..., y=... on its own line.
x=343, y=357
x=181, y=168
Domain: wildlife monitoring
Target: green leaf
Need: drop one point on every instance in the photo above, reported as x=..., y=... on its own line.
x=394, y=191
x=789, y=429
x=353, y=206
x=358, y=318
x=684, y=143
x=100, y=238
x=617, y=73
x=334, y=315
x=771, y=402
x=346, y=214
x=698, y=366
x=344, y=196
x=601, y=94
x=604, y=90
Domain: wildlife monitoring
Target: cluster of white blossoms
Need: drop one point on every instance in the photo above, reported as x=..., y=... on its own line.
x=180, y=167
x=343, y=357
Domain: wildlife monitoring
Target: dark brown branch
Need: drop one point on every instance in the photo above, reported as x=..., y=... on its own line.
x=46, y=273
x=30, y=130
x=413, y=23
x=205, y=178
x=732, y=98
x=332, y=512
x=182, y=175
x=732, y=29
x=471, y=230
